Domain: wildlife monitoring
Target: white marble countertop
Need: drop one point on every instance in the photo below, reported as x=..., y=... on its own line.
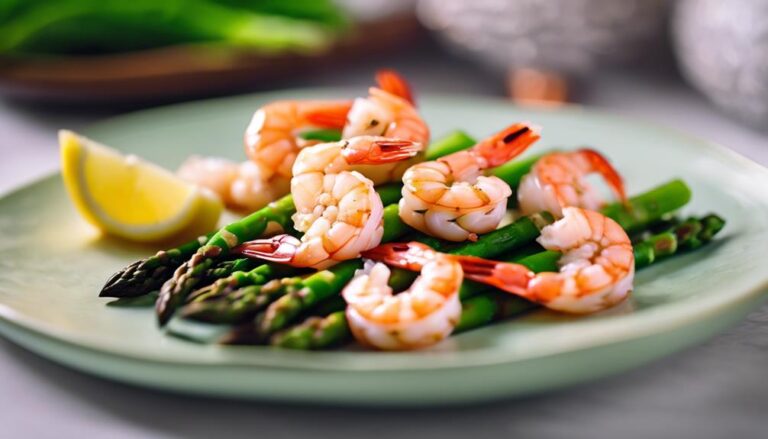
x=715, y=390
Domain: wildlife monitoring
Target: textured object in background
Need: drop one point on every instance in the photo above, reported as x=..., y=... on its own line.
x=722, y=47
x=570, y=37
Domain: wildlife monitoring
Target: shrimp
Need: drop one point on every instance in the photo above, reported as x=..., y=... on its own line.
x=388, y=111
x=271, y=139
x=597, y=265
x=338, y=209
x=239, y=185
x=558, y=180
x=421, y=316
x=213, y=173
x=450, y=198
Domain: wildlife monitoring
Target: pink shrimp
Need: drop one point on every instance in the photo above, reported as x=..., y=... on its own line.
x=596, y=268
x=338, y=209
x=558, y=180
x=451, y=198
x=421, y=316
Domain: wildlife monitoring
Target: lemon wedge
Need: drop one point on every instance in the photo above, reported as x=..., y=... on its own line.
x=131, y=198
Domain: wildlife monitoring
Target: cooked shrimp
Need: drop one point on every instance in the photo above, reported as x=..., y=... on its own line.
x=213, y=173
x=558, y=180
x=272, y=138
x=388, y=111
x=239, y=185
x=250, y=191
x=596, y=269
x=451, y=198
x=272, y=141
x=421, y=316
x=338, y=210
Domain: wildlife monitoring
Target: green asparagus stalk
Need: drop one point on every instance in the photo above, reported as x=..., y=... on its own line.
x=315, y=333
x=146, y=275
x=490, y=306
x=329, y=135
x=656, y=246
x=298, y=298
x=241, y=304
x=649, y=207
x=505, y=239
x=189, y=275
x=452, y=142
x=226, y=283
x=514, y=171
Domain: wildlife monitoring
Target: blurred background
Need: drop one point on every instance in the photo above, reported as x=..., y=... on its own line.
x=697, y=65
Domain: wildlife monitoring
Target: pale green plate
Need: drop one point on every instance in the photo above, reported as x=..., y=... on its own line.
x=53, y=265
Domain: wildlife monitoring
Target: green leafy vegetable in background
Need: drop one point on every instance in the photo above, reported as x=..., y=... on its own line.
x=103, y=26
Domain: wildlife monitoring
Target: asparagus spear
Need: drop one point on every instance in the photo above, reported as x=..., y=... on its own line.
x=649, y=207
x=189, y=275
x=326, y=135
x=226, y=283
x=241, y=304
x=315, y=333
x=452, y=142
x=301, y=296
x=517, y=234
x=146, y=275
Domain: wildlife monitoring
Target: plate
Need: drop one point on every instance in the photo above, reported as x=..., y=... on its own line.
x=53, y=266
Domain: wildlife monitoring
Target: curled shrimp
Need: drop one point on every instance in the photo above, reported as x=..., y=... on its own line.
x=558, y=180
x=597, y=265
x=389, y=112
x=213, y=173
x=272, y=138
x=239, y=185
x=421, y=316
x=338, y=209
x=450, y=198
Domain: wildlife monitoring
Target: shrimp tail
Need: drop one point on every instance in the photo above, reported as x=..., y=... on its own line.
x=408, y=255
x=381, y=151
x=280, y=248
x=508, y=143
x=600, y=164
x=394, y=83
x=513, y=278
x=330, y=116
x=506, y=276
